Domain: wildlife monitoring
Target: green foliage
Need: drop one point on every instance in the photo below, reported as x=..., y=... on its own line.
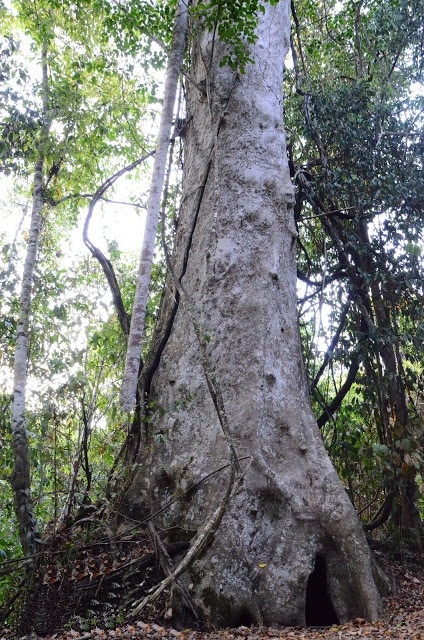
x=136, y=24
x=20, y=120
x=77, y=348
x=9, y=539
x=355, y=150
x=234, y=22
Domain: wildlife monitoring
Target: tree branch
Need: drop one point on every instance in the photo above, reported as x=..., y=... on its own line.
x=382, y=514
x=335, y=338
x=343, y=391
x=107, y=267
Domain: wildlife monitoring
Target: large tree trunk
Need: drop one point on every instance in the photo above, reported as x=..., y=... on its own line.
x=233, y=331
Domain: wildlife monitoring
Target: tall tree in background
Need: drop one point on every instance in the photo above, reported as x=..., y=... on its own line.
x=174, y=67
x=232, y=446
x=21, y=477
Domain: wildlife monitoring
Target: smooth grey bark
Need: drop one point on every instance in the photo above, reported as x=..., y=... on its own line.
x=132, y=364
x=21, y=476
x=235, y=258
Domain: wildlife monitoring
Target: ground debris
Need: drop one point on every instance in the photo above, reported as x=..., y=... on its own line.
x=403, y=619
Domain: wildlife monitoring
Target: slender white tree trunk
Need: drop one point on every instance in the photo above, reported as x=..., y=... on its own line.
x=235, y=257
x=132, y=364
x=21, y=477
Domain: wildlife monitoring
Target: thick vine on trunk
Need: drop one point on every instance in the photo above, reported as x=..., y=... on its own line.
x=289, y=532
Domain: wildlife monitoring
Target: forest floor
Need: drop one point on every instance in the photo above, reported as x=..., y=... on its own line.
x=402, y=619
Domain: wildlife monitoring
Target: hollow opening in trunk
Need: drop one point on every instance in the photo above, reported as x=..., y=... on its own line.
x=319, y=610
x=243, y=618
